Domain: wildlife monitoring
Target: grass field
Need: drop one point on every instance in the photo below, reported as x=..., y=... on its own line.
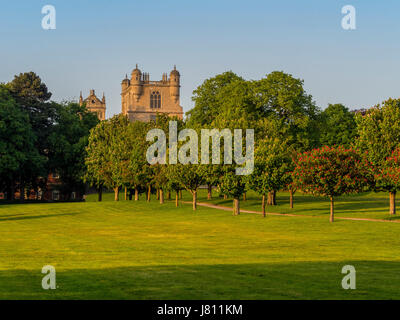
x=136, y=250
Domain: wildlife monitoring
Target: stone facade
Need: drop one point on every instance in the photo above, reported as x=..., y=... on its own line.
x=142, y=98
x=94, y=104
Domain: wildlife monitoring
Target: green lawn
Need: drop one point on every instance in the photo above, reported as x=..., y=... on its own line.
x=368, y=205
x=136, y=250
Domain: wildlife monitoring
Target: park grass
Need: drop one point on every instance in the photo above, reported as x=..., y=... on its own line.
x=140, y=250
x=369, y=205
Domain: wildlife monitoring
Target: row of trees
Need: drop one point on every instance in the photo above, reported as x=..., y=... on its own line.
x=39, y=137
x=298, y=146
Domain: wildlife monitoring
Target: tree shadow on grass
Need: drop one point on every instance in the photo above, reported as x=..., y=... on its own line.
x=41, y=216
x=297, y=280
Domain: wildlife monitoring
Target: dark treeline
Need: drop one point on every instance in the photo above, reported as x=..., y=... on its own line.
x=39, y=137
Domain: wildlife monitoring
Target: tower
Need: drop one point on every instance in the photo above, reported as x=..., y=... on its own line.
x=174, y=84
x=142, y=98
x=136, y=83
x=94, y=104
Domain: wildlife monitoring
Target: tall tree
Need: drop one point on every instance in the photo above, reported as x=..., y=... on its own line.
x=206, y=98
x=67, y=146
x=281, y=97
x=18, y=155
x=379, y=135
x=32, y=97
x=139, y=173
x=389, y=176
x=338, y=126
x=108, y=153
x=272, y=168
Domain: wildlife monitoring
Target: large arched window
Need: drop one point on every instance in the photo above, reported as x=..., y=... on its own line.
x=155, y=100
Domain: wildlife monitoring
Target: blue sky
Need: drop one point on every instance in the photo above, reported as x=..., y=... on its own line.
x=97, y=42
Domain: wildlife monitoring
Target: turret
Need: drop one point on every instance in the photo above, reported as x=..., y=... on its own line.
x=125, y=83
x=174, y=84
x=80, y=99
x=136, y=83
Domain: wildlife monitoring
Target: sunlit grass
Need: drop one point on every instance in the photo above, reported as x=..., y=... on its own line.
x=367, y=205
x=136, y=250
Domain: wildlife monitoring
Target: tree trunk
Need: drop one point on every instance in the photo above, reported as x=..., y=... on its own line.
x=11, y=195
x=180, y=194
x=225, y=196
x=244, y=196
x=148, y=193
x=161, y=196
x=8, y=197
x=194, y=193
x=136, y=194
x=126, y=193
x=22, y=193
x=332, y=210
x=291, y=198
x=177, y=199
x=100, y=193
x=209, y=192
x=269, y=199
x=392, y=196
x=236, y=206
x=263, y=205
x=169, y=195
x=158, y=194
x=116, y=194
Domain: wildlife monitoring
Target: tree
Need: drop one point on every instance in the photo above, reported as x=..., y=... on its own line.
x=389, y=177
x=67, y=144
x=338, y=126
x=212, y=177
x=272, y=167
x=29, y=89
x=160, y=180
x=379, y=135
x=139, y=172
x=18, y=155
x=32, y=97
x=174, y=182
x=190, y=176
x=281, y=98
x=205, y=97
x=233, y=185
x=108, y=154
x=332, y=172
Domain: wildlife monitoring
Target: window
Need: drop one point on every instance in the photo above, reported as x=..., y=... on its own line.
x=155, y=100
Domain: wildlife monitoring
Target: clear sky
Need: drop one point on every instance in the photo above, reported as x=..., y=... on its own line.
x=97, y=42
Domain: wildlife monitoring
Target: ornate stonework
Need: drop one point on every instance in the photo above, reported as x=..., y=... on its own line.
x=142, y=98
x=94, y=104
